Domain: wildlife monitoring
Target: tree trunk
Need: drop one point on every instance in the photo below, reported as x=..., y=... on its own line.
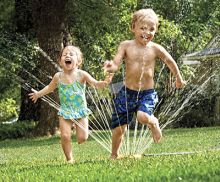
x=49, y=21
x=24, y=25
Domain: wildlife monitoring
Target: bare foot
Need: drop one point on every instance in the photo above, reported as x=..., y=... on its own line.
x=155, y=129
x=71, y=161
x=115, y=157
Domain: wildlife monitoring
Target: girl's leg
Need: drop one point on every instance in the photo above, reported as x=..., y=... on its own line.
x=65, y=129
x=82, y=132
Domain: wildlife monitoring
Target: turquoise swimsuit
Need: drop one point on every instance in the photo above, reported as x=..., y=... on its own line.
x=72, y=100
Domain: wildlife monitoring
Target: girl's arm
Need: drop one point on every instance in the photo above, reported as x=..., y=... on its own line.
x=95, y=83
x=46, y=90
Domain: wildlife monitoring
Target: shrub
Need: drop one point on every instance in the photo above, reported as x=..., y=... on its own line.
x=201, y=114
x=8, y=109
x=16, y=130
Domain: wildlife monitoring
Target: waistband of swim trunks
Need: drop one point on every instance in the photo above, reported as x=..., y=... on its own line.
x=129, y=91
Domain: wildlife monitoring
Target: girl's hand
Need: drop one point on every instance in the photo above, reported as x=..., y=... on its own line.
x=34, y=95
x=180, y=83
x=109, y=77
x=102, y=84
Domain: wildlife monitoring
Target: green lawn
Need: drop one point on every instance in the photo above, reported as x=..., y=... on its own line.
x=41, y=159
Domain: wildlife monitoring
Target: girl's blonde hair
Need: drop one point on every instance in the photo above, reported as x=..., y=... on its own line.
x=78, y=53
x=144, y=15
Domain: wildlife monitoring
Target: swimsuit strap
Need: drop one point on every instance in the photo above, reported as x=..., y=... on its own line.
x=60, y=76
x=78, y=76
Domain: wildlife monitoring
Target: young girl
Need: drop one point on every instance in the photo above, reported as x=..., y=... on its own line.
x=71, y=84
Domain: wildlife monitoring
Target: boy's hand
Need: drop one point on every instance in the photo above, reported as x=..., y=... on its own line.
x=108, y=66
x=34, y=95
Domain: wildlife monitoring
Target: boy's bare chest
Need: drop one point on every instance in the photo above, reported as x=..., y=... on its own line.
x=140, y=56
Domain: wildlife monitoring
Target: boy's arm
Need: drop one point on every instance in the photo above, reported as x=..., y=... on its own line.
x=47, y=89
x=171, y=64
x=113, y=66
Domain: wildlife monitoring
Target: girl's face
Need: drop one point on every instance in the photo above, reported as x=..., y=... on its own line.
x=144, y=31
x=69, y=58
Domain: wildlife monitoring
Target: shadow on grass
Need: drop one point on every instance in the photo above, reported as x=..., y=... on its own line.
x=34, y=142
x=30, y=142
x=47, y=141
x=53, y=164
x=189, y=130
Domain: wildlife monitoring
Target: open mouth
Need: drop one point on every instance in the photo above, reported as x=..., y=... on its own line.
x=68, y=62
x=144, y=37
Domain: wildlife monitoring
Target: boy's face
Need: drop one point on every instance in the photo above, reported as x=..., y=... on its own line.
x=69, y=59
x=144, y=31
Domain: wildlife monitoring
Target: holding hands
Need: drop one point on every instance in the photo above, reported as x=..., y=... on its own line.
x=108, y=77
x=107, y=65
x=110, y=66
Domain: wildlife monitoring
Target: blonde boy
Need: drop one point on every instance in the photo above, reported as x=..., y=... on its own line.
x=138, y=95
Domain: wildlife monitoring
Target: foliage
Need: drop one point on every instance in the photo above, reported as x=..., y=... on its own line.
x=16, y=130
x=192, y=106
x=41, y=159
x=17, y=53
x=200, y=111
x=18, y=59
x=8, y=109
x=199, y=20
x=99, y=39
x=7, y=13
x=170, y=36
x=9, y=57
x=97, y=27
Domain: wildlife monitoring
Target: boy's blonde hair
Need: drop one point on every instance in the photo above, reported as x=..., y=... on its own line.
x=78, y=53
x=144, y=15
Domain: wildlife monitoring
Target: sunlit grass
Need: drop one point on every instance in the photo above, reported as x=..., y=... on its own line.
x=41, y=159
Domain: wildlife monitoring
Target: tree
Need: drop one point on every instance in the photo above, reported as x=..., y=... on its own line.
x=24, y=26
x=185, y=25
x=49, y=17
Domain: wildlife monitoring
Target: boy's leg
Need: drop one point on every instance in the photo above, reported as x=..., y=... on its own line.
x=152, y=123
x=82, y=130
x=117, y=136
x=65, y=129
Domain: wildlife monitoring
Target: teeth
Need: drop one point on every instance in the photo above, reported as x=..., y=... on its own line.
x=144, y=36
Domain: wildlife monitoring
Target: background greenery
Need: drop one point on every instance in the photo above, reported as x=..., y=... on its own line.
x=97, y=27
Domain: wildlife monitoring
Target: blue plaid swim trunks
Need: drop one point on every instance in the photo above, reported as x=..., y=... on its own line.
x=128, y=102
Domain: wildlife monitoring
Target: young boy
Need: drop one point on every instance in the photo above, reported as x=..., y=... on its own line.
x=138, y=95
